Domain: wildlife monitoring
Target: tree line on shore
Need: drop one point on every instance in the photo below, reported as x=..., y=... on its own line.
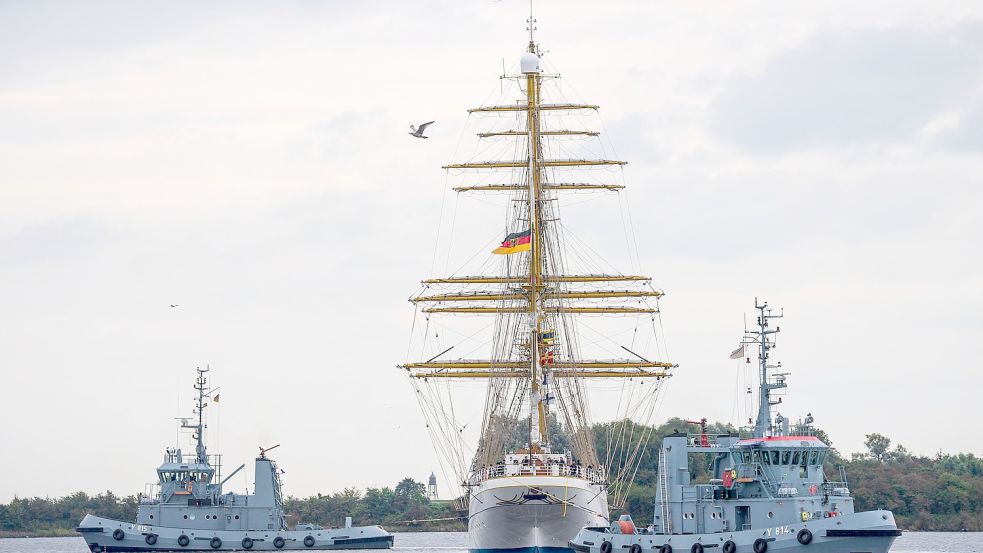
x=940, y=493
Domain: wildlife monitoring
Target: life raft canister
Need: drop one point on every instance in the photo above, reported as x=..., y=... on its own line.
x=625, y=526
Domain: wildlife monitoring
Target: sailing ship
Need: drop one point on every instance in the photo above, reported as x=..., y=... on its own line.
x=191, y=512
x=768, y=490
x=536, y=475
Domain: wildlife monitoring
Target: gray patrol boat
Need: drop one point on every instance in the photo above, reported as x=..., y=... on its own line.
x=191, y=513
x=767, y=490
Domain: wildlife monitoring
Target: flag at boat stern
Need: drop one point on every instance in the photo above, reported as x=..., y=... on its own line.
x=514, y=243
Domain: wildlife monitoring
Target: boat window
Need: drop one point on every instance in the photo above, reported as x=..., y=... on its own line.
x=757, y=456
x=766, y=458
x=786, y=455
x=814, y=460
x=774, y=457
x=795, y=458
x=747, y=457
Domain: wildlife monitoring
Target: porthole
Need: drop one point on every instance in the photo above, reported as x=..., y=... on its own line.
x=237, y=517
x=151, y=517
x=770, y=514
x=185, y=517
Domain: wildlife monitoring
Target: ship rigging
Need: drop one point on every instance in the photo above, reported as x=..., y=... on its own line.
x=538, y=357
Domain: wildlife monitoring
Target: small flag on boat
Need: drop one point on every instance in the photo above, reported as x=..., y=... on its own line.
x=546, y=358
x=737, y=353
x=215, y=399
x=547, y=337
x=514, y=243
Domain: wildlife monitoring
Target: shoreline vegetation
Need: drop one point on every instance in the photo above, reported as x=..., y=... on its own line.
x=940, y=493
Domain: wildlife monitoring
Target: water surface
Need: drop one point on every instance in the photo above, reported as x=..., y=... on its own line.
x=456, y=542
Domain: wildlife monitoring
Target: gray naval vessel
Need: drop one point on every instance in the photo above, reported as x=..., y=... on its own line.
x=767, y=490
x=191, y=513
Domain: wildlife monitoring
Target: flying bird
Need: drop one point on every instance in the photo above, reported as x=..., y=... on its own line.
x=418, y=132
x=174, y=305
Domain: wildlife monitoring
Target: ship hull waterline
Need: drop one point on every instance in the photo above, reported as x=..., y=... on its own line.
x=869, y=531
x=533, y=514
x=99, y=532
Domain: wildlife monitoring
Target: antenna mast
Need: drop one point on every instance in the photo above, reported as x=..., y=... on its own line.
x=199, y=428
x=765, y=343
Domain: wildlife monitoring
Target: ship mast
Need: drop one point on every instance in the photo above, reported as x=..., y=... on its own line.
x=199, y=428
x=530, y=67
x=535, y=355
x=761, y=338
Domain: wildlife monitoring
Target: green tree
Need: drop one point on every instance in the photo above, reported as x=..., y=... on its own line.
x=877, y=445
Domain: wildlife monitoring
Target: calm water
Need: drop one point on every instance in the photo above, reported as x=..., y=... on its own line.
x=456, y=542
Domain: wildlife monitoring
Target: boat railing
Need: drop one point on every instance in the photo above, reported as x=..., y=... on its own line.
x=595, y=475
x=214, y=460
x=704, y=492
x=705, y=440
x=836, y=488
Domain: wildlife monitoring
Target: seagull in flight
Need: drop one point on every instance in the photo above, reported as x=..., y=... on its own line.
x=174, y=305
x=418, y=132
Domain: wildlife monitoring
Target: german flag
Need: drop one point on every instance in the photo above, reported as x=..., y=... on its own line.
x=514, y=243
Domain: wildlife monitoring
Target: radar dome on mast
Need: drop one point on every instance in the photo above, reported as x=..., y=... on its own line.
x=529, y=63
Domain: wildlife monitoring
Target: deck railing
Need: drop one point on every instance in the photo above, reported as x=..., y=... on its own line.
x=592, y=474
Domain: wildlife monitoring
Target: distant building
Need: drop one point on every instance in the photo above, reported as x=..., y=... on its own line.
x=432, y=487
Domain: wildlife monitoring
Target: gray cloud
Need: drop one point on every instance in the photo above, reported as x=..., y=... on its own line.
x=862, y=87
x=968, y=134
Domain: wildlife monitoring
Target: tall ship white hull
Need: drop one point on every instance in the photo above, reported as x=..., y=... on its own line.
x=532, y=514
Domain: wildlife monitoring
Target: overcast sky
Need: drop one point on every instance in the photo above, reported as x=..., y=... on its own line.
x=249, y=161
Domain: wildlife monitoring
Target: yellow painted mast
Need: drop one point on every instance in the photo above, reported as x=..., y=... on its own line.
x=537, y=412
